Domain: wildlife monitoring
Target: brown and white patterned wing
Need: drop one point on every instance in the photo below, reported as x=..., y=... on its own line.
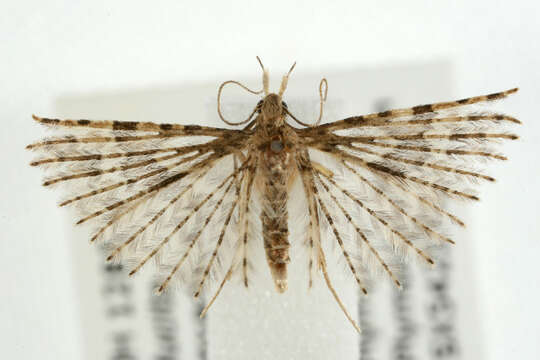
x=384, y=176
x=158, y=191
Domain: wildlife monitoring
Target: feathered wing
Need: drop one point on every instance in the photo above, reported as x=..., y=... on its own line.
x=152, y=191
x=384, y=177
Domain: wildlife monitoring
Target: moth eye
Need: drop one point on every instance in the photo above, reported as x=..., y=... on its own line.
x=259, y=106
x=284, y=104
x=276, y=146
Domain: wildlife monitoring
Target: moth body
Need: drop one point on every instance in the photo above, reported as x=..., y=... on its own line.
x=276, y=152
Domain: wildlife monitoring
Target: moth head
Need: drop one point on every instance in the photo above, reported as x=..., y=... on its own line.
x=272, y=107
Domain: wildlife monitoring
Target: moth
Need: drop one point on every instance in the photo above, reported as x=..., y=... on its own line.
x=195, y=199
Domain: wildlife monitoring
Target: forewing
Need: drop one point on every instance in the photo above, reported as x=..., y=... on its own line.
x=385, y=177
x=152, y=191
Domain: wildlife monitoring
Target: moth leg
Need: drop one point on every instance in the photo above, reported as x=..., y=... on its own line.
x=307, y=174
x=322, y=264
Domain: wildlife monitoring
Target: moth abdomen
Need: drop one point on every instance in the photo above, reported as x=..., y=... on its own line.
x=275, y=171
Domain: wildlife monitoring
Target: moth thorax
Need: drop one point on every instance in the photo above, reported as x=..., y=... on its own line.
x=276, y=145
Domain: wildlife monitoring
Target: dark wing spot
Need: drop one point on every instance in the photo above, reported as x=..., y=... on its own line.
x=50, y=121
x=494, y=96
x=422, y=109
x=379, y=167
x=165, y=126
x=124, y=125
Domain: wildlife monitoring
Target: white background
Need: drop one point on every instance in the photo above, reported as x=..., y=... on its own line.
x=51, y=49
